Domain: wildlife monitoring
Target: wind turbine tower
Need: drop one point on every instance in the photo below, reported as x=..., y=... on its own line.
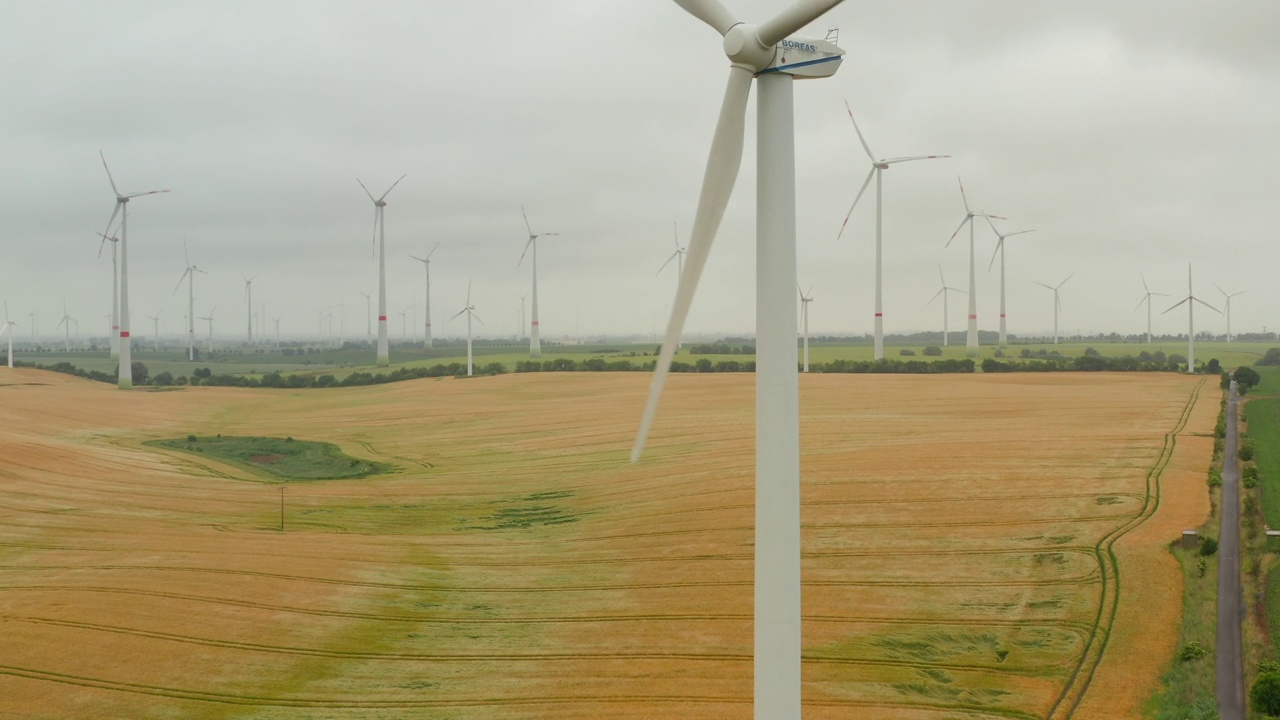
x=470, y=311
x=65, y=322
x=427, y=340
x=209, y=344
x=368, y=317
x=946, y=311
x=971, y=342
x=1057, y=303
x=1146, y=298
x=248, y=305
x=277, y=322
x=535, y=345
x=766, y=54
x=804, y=321
x=114, y=338
x=877, y=169
x=125, y=375
x=1228, y=297
x=190, y=276
x=380, y=242
x=1191, y=301
x=9, y=325
x=155, y=319
x=1004, y=336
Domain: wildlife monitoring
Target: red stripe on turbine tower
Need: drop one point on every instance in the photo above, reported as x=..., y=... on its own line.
x=535, y=322
x=879, y=314
x=382, y=318
x=1001, y=314
x=973, y=317
x=124, y=334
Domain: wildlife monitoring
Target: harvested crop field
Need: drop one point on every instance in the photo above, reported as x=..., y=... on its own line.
x=974, y=547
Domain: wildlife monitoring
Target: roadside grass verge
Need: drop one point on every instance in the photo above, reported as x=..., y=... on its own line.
x=1189, y=684
x=283, y=458
x=1263, y=417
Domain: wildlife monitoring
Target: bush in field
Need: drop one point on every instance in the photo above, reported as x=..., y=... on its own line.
x=1208, y=546
x=1246, y=450
x=1192, y=651
x=1213, y=366
x=906, y=351
x=1265, y=693
x=1271, y=358
x=163, y=379
x=932, y=351
x=1090, y=352
x=1215, y=478
x=1245, y=377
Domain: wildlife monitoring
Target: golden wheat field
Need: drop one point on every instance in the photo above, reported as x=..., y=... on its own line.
x=974, y=547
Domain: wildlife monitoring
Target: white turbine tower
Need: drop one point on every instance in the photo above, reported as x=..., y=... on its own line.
x=678, y=256
x=971, y=341
x=427, y=340
x=1146, y=298
x=804, y=321
x=9, y=325
x=1057, y=303
x=535, y=344
x=155, y=319
x=248, y=304
x=1191, y=301
x=1004, y=337
x=114, y=339
x=66, y=323
x=470, y=311
x=190, y=276
x=380, y=245
x=946, y=311
x=209, y=345
x=878, y=166
x=276, y=320
x=1227, y=309
x=765, y=52
x=520, y=334
x=125, y=375
x=368, y=317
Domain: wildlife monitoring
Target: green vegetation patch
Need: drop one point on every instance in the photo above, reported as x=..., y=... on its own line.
x=282, y=457
x=527, y=511
x=1263, y=416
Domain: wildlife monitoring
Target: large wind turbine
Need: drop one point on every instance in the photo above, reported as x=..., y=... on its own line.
x=535, y=345
x=380, y=242
x=765, y=52
x=1228, y=296
x=1057, y=303
x=125, y=353
x=1004, y=337
x=190, y=276
x=65, y=322
x=971, y=341
x=248, y=304
x=1146, y=298
x=114, y=339
x=1191, y=301
x=946, y=312
x=878, y=166
x=427, y=340
x=470, y=311
x=804, y=321
x=9, y=325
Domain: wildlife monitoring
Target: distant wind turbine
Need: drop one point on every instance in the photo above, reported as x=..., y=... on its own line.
x=878, y=166
x=427, y=340
x=65, y=322
x=380, y=242
x=248, y=304
x=470, y=311
x=535, y=344
x=946, y=312
x=971, y=341
x=209, y=345
x=368, y=317
x=155, y=319
x=8, y=329
x=1191, y=301
x=1004, y=337
x=1057, y=303
x=804, y=321
x=190, y=276
x=277, y=322
x=1146, y=298
x=1228, y=297
x=114, y=339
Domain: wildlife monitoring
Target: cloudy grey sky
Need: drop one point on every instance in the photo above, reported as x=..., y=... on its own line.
x=1134, y=137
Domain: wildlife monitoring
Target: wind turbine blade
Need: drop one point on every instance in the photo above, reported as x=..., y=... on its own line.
x=985, y=215
x=366, y=191
x=477, y=318
x=999, y=244
x=114, y=212
x=433, y=252
x=1064, y=282
x=109, y=178
x=1224, y=292
x=415, y=257
x=1047, y=287
x=668, y=262
x=958, y=229
x=792, y=19
x=1145, y=289
x=942, y=277
x=373, y=248
x=393, y=187
x=185, y=273
x=463, y=310
x=186, y=255
x=858, y=130
x=468, y=293
x=963, y=197
x=149, y=192
x=1145, y=298
x=1179, y=303
x=935, y=295
x=526, y=220
x=723, y=163
x=1206, y=305
x=912, y=158
x=856, y=198
x=675, y=235
x=526, y=249
x=710, y=12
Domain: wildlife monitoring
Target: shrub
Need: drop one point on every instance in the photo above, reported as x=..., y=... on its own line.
x=1208, y=546
x=1192, y=651
x=1090, y=352
x=1246, y=450
x=1271, y=358
x=1266, y=666
x=1213, y=366
x=1202, y=565
x=932, y=351
x=163, y=379
x=1265, y=693
x=191, y=438
x=1245, y=377
x=1215, y=478
x=906, y=351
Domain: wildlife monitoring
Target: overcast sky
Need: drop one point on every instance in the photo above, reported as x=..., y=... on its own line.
x=1135, y=137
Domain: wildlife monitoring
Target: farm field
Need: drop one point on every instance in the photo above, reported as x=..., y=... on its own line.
x=974, y=547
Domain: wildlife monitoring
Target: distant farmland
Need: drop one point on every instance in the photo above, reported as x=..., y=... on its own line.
x=975, y=546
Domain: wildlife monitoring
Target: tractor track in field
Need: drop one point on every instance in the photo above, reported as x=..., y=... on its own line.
x=1081, y=676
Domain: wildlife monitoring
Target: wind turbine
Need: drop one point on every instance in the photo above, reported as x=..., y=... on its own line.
x=404, y=328
x=8, y=328
x=209, y=345
x=535, y=345
x=156, y=320
x=368, y=318
x=1228, y=307
x=877, y=169
x=190, y=276
x=1000, y=250
x=65, y=322
x=114, y=338
x=1057, y=303
x=380, y=241
x=946, y=312
x=427, y=341
x=248, y=304
x=678, y=256
x=1147, y=299
x=125, y=376
x=470, y=312
x=804, y=321
x=764, y=52
x=277, y=322
x=971, y=342
x=1191, y=300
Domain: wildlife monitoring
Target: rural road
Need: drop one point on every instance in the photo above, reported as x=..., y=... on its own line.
x=1230, y=665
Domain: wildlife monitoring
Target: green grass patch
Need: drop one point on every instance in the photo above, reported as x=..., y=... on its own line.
x=1270, y=383
x=284, y=458
x=1263, y=416
x=1189, y=684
